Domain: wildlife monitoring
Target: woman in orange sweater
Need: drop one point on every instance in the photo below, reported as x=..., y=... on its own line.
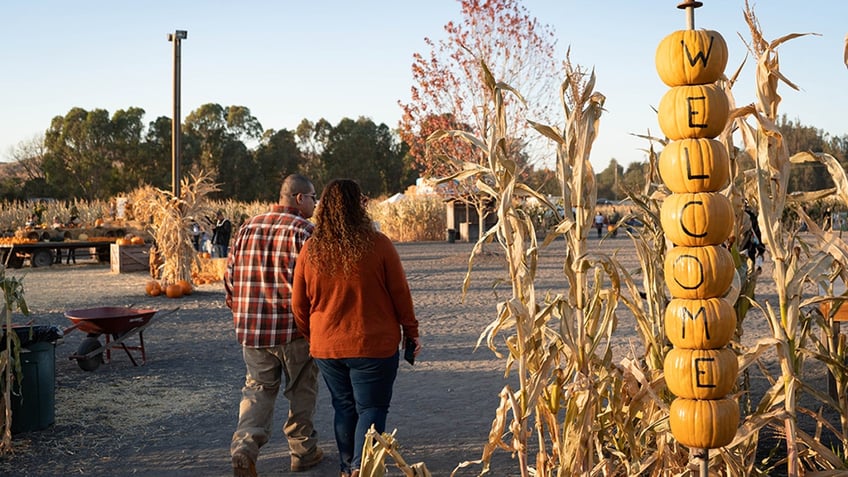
x=352, y=302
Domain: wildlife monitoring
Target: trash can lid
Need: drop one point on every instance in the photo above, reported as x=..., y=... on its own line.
x=29, y=334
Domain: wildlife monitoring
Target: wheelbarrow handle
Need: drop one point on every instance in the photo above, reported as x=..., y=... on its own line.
x=71, y=328
x=169, y=312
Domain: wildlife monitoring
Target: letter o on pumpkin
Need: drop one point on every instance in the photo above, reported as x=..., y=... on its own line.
x=698, y=272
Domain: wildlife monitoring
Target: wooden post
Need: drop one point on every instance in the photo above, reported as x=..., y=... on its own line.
x=690, y=6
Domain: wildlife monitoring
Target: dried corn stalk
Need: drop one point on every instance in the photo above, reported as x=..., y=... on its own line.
x=378, y=448
x=796, y=263
x=171, y=220
x=10, y=363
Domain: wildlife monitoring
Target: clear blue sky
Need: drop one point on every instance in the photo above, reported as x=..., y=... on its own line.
x=290, y=60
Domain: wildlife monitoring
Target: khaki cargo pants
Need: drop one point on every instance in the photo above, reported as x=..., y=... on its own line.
x=265, y=370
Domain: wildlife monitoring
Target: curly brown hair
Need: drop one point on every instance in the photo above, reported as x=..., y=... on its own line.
x=343, y=231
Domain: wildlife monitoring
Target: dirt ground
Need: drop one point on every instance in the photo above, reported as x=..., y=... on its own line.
x=174, y=416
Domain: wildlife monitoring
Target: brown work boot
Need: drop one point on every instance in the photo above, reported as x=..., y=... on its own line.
x=243, y=466
x=299, y=464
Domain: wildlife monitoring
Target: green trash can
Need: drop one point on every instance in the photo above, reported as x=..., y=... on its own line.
x=33, y=396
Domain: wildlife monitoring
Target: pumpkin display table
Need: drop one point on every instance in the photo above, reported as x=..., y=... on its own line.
x=43, y=254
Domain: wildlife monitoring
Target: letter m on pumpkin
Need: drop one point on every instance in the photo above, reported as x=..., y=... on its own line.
x=688, y=316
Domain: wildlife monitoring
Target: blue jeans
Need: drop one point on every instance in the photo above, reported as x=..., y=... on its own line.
x=361, y=389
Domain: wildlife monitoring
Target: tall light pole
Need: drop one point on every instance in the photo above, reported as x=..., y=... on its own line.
x=176, y=38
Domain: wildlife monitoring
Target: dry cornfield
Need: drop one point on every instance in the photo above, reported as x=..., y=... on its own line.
x=585, y=414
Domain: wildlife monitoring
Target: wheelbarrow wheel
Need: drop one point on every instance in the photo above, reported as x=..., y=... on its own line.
x=88, y=345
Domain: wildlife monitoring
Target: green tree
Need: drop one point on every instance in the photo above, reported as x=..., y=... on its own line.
x=634, y=178
x=607, y=181
x=276, y=157
x=366, y=152
x=312, y=140
x=127, y=141
x=86, y=151
x=155, y=166
x=215, y=144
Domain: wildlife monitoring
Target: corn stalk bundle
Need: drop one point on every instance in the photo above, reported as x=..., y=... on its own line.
x=417, y=217
x=170, y=223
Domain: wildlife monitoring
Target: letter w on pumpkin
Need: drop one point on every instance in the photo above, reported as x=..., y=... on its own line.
x=704, y=58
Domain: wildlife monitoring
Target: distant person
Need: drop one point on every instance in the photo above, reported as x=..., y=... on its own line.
x=74, y=219
x=258, y=291
x=56, y=224
x=32, y=221
x=352, y=302
x=613, y=221
x=206, y=242
x=752, y=244
x=221, y=234
x=600, y=221
x=195, y=236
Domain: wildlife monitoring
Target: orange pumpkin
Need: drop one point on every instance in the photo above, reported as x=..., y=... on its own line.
x=122, y=242
x=693, y=111
x=691, y=57
x=185, y=286
x=699, y=324
x=704, y=423
x=136, y=240
x=153, y=288
x=698, y=272
x=700, y=373
x=174, y=290
x=694, y=165
x=698, y=219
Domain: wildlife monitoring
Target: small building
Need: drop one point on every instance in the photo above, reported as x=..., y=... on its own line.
x=463, y=219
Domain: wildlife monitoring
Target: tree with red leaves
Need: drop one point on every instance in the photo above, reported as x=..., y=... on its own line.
x=448, y=92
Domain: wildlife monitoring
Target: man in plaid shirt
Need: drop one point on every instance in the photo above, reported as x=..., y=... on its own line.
x=258, y=285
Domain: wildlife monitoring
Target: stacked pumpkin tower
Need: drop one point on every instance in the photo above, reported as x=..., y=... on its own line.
x=700, y=369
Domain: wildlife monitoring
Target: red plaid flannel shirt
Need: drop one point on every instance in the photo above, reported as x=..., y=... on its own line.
x=258, y=278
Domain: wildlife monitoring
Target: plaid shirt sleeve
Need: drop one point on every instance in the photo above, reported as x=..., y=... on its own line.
x=259, y=275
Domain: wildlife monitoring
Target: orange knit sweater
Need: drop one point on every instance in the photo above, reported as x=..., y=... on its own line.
x=357, y=316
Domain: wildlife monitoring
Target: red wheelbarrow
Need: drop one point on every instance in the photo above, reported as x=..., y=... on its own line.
x=117, y=324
